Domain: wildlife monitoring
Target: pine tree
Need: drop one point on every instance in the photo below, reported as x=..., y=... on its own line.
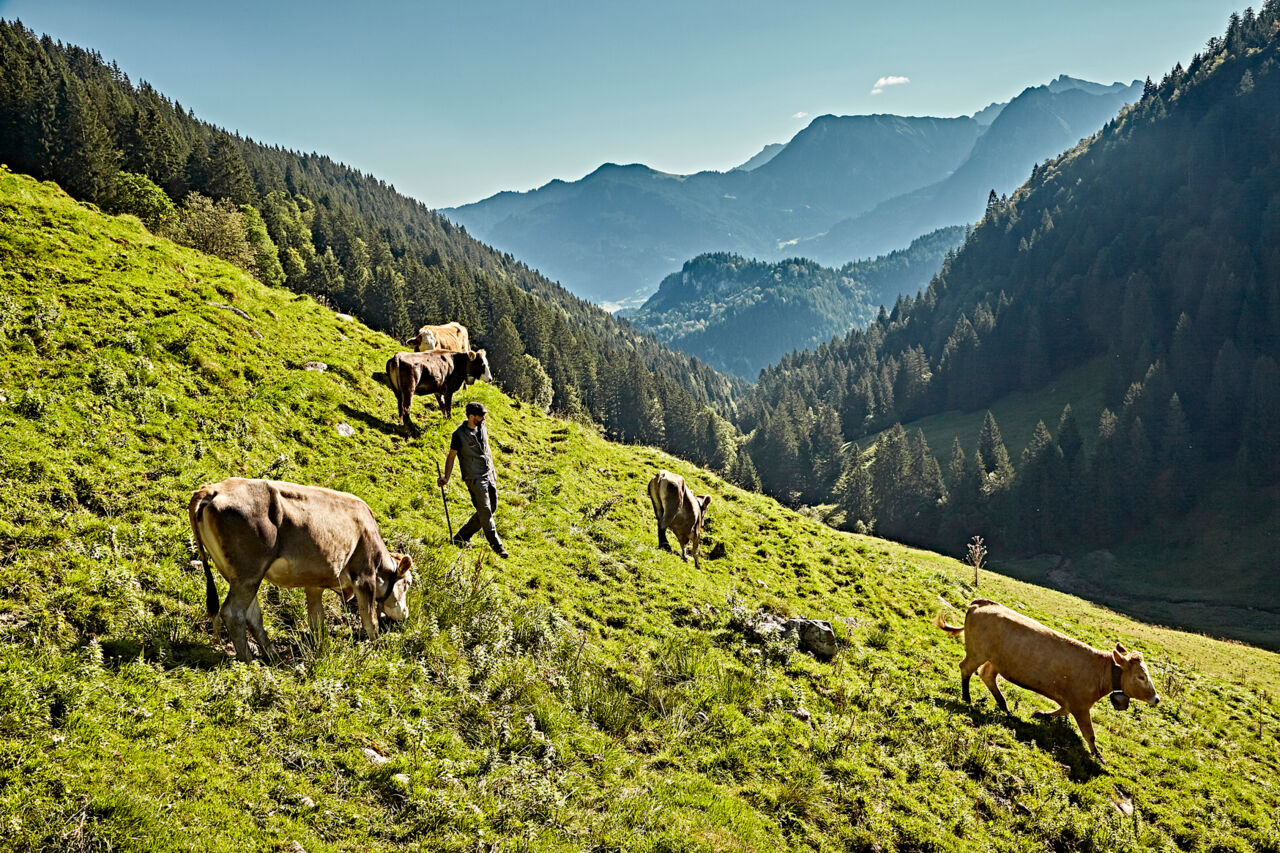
x=1260, y=445
x=228, y=177
x=853, y=493
x=84, y=160
x=743, y=471
x=1176, y=460
x=997, y=470
x=506, y=359
x=824, y=442
x=1108, y=512
x=890, y=481
x=1040, y=490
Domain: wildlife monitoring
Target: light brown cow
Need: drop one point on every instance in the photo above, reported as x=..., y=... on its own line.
x=438, y=373
x=451, y=337
x=678, y=508
x=1001, y=642
x=293, y=536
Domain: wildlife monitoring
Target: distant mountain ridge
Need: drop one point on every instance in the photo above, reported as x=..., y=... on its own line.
x=1041, y=122
x=611, y=235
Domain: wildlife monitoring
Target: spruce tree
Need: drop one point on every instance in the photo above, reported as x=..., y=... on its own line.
x=996, y=467
x=853, y=493
x=1260, y=445
x=506, y=359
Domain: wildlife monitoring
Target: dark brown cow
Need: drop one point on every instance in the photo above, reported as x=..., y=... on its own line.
x=439, y=373
x=678, y=508
x=293, y=536
x=451, y=337
x=1002, y=642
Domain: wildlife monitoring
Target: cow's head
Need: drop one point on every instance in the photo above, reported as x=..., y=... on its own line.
x=703, y=502
x=1134, y=678
x=478, y=367
x=393, y=588
x=424, y=341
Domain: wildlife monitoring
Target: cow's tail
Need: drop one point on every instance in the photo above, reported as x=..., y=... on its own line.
x=393, y=376
x=940, y=624
x=201, y=499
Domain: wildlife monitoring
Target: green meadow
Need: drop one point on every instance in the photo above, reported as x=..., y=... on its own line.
x=590, y=693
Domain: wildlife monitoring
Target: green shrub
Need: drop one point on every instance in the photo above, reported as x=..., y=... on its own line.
x=139, y=195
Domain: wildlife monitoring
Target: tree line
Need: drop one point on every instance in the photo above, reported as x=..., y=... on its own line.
x=348, y=239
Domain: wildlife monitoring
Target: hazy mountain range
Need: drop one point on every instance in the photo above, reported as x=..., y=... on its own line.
x=613, y=235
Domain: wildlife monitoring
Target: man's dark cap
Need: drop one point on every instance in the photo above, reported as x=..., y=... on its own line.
x=475, y=408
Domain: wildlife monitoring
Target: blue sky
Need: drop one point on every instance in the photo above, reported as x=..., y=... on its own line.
x=454, y=101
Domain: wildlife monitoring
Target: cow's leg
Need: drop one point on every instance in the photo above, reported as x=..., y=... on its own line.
x=663, y=545
x=664, y=524
x=315, y=608
x=987, y=672
x=968, y=667
x=254, y=620
x=234, y=611
x=446, y=404
x=365, y=599
x=406, y=401
x=1086, y=728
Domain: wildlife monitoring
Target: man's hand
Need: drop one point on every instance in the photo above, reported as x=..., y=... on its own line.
x=441, y=481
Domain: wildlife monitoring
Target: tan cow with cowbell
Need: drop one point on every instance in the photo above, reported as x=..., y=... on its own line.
x=293, y=536
x=677, y=508
x=1002, y=642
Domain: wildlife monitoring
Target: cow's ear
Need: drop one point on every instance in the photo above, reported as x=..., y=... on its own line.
x=704, y=500
x=1117, y=655
x=405, y=565
x=471, y=356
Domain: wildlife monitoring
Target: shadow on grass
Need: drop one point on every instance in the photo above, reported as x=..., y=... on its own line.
x=183, y=655
x=384, y=427
x=1057, y=736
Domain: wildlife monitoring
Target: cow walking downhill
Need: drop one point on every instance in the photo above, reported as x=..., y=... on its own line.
x=677, y=508
x=1000, y=642
x=438, y=373
x=293, y=536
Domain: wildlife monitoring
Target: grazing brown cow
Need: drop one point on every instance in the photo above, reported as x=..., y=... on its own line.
x=293, y=536
x=439, y=373
x=1001, y=642
x=678, y=508
x=451, y=337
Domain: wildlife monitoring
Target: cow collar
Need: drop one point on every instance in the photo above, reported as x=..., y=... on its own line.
x=1119, y=699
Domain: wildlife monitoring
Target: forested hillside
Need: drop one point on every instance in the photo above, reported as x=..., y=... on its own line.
x=590, y=693
x=347, y=238
x=1152, y=248
x=742, y=315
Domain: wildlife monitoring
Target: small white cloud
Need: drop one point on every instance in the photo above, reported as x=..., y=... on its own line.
x=889, y=81
x=801, y=115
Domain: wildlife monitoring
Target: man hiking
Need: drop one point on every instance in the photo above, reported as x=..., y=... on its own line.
x=470, y=444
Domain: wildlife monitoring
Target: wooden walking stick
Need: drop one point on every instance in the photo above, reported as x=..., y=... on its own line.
x=445, y=501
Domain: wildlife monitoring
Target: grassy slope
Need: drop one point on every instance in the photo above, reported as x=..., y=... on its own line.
x=589, y=693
